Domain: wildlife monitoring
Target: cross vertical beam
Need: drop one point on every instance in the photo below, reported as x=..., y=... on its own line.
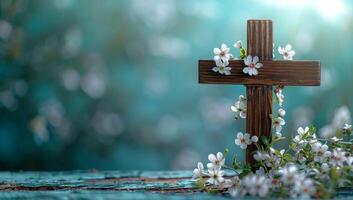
x=259, y=97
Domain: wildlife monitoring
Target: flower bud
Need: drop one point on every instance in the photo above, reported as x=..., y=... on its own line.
x=281, y=112
x=238, y=44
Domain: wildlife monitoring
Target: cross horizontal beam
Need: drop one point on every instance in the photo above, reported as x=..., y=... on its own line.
x=273, y=72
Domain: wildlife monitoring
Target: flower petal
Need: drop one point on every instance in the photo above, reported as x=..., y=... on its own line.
x=212, y=157
x=224, y=47
x=219, y=156
x=249, y=59
x=200, y=165
x=288, y=47
x=254, y=71
x=240, y=135
x=255, y=59
x=280, y=50
x=246, y=70
x=216, y=51
x=242, y=114
x=258, y=65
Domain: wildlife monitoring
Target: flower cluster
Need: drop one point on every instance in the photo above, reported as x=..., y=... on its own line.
x=214, y=172
x=222, y=56
x=278, y=120
x=240, y=107
x=311, y=168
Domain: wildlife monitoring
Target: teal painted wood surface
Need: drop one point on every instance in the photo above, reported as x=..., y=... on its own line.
x=107, y=185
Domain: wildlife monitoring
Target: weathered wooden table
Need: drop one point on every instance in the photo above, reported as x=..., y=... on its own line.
x=106, y=185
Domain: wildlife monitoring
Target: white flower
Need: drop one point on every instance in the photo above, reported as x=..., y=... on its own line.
x=272, y=159
x=304, y=187
x=199, y=171
x=288, y=174
x=240, y=107
x=325, y=167
x=278, y=122
x=234, y=188
x=286, y=52
x=238, y=44
x=279, y=97
x=281, y=112
x=222, y=54
x=216, y=176
x=338, y=157
x=302, y=131
x=321, y=152
x=256, y=185
x=243, y=140
x=216, y=161
x=260, y=156
x=221, y=67
x=252, y=65
x=260, y=171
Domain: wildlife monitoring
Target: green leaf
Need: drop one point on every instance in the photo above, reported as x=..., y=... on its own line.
x=246, y=171
x=235, y=164
x=264, y=140
x=242, y=53
x=312, y=129
x=200, y=183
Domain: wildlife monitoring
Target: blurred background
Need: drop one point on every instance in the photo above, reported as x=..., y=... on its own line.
x=113, y=84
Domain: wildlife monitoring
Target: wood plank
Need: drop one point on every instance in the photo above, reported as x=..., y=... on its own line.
x=258, y=121
x=260, y=39
x=259, y=97
x=279, y=72
x=109, y=185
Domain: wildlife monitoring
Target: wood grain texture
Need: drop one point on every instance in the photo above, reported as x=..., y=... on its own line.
x=122, y=185
x=258, y=121
x=260, y=39
x=279, y=72
x=259, y=97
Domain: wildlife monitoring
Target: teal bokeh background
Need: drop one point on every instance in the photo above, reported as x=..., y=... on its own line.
x=114, y=84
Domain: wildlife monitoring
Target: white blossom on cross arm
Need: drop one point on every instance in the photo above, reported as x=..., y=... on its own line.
x=286, y=52
x=252, y=64
x=240, y=107
x=222, y=67
x=222, y=53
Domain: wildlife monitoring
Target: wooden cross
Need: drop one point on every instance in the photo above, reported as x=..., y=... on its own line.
x=259, y=88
